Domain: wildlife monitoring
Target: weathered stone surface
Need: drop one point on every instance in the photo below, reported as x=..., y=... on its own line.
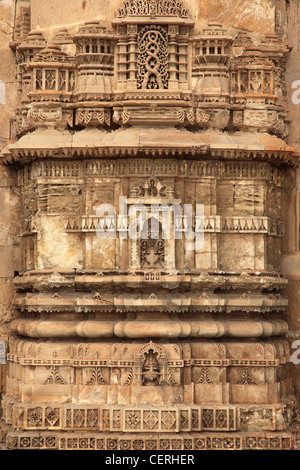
x=121, y=330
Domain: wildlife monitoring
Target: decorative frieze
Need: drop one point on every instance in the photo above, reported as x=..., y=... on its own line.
x=100, y=116
x=69, y=441
x=129, y=420
x=209, y=224
x=159, y=167
x=150, y=8
x=113, y=363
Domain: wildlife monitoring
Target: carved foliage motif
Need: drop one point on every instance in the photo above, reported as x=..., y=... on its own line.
x=54, y=377
x=153, y=58
x=96, y=377
x=246, y=378
x=93, y=116
x=205, y=377
x=153, y=188
x=150, y=369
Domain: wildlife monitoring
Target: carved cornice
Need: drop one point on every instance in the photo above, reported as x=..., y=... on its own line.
x=25, y=156
x=43, y=281
x=46, y=170
x=201, y=301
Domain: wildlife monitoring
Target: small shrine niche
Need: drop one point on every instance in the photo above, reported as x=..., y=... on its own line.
x=153, y=46
x=150, y=372
x=153, y=216
x=151, y=366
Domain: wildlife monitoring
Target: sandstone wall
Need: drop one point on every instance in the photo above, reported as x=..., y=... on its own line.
x=291, y=259
x=257, y=16
x=60, y=246
x=9, y=246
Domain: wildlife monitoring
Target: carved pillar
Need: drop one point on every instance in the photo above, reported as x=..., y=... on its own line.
x=122, y=58
x=132, y=53
x=173, y=57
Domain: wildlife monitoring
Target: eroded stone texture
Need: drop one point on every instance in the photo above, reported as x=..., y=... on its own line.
x=123, y=342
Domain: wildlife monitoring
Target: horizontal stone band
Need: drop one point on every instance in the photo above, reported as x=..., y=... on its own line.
x=149, y=329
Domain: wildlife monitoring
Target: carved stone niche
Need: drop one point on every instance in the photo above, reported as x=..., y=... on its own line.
x=153, y=64
x=151, y=367
x=152, y=60
x=256, y=83
x=26, y=50
x=151, y=209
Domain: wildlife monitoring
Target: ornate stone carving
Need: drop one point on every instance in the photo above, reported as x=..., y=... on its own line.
x=54, y=377
x=151, y=188
x=96, y=377
x=44, y=117
x=153, y=8
x=152, y=253
x=146, y=343
x=152, y=71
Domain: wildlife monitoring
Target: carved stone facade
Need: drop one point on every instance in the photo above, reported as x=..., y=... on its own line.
x=142, y=343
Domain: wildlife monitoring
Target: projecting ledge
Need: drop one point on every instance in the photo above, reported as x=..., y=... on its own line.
x=149, y=329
